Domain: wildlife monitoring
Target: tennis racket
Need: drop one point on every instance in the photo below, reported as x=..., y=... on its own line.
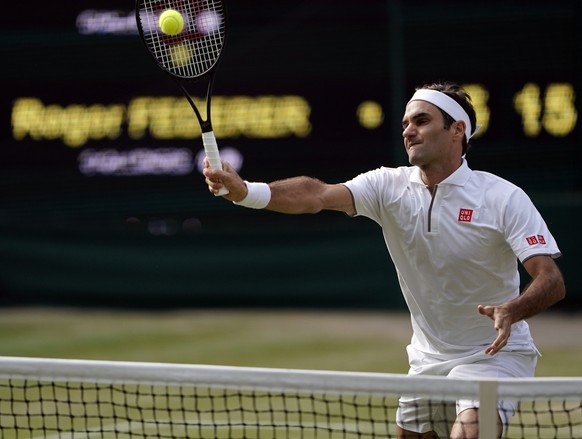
x=188, y=50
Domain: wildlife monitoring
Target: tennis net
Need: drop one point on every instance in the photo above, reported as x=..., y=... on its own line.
x=54, y=398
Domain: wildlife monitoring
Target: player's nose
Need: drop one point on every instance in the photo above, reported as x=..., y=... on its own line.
x=408, y=131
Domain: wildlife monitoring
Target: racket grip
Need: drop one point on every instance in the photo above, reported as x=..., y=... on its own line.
x=213, y=156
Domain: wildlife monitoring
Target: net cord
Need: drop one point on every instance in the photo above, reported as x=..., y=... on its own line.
x=266, y=379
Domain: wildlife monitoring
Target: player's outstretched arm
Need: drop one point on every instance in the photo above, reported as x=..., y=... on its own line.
x=294, y=195
x=309, y=195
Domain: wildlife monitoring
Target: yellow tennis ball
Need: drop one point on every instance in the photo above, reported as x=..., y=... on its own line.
x=171, y=22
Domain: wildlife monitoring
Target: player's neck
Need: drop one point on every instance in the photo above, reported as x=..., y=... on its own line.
x=435, y=173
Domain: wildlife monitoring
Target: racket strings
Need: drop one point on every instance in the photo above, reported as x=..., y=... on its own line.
x=196, y=49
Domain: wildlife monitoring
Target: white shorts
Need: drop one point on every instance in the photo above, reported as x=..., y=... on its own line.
x=420, y=415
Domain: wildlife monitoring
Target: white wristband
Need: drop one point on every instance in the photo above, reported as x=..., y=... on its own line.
x=258, y=196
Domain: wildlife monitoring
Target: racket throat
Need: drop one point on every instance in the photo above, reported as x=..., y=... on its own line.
x=205, y=124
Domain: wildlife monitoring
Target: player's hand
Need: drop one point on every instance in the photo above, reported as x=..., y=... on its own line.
x=502, y=321
x=216, y=179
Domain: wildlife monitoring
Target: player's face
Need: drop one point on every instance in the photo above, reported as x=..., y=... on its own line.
x=426, y=140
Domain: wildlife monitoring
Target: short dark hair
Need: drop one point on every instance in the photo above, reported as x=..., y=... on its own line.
x=458, y=93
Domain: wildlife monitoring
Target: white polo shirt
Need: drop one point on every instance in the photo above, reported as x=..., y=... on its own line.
x=454, y=250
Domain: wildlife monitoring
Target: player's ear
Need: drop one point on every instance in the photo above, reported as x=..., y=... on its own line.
x=459, y=128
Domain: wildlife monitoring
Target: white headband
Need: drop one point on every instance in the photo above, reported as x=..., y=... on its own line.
x=448, y=105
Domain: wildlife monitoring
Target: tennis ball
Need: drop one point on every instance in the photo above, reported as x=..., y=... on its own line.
x=171, y=22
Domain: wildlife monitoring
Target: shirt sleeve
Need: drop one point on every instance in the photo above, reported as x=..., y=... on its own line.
x=525, y=230
x=366, y=189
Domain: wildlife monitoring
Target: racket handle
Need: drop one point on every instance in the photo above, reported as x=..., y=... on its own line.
x=213, y=156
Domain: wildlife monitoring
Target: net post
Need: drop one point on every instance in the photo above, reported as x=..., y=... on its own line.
x=488, y=415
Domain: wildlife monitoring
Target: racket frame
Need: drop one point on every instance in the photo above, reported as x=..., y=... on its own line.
x=208, y=137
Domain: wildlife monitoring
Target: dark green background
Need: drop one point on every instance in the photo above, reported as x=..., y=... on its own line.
x=68, y=238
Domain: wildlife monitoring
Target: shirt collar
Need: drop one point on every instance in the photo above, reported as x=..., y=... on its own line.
x=457, y=178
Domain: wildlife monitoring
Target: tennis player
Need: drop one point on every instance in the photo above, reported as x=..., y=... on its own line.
x=455, y=236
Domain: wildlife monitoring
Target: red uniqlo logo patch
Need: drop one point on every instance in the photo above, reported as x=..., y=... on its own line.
x=541, y=239
x=465, y=215
x=531, y=240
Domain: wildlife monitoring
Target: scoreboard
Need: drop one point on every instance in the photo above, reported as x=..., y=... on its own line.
x=93, y=136
x=302, y=87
